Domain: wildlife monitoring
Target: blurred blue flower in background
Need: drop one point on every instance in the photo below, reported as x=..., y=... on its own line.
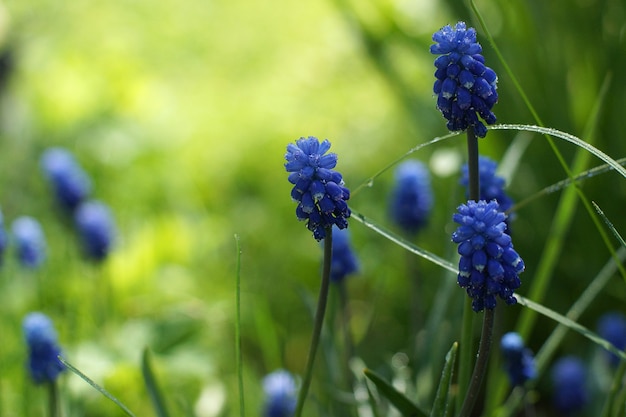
x=43, y=348
x=465, y=87
x=96, y=229
x=70, y=182
x=344, y=261
x=489, y=265
x=29, y=240
x=3, y=238
x=491, y=185
x=518, y=359
x=570, y=392
x=412, y=197
x=280, y=394
x=318, y=189
x=612, y=327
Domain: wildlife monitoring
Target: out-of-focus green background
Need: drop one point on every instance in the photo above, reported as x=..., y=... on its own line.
x=180, y=111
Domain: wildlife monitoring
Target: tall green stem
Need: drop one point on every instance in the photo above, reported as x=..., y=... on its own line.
x=465, y=356
x=53, y=400
x=481, y=364
x=319, y=321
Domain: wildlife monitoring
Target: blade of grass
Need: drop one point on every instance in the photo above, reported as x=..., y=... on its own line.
x=609, y=224
x=96, y=386
x=152, y=386
x=399, y=400
x=238, y=354
x=441, y=399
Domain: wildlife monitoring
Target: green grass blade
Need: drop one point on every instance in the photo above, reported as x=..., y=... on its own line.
x=609, y=224
x=572, y=325
x=238, y=354
x=400, y=241
x=152, y=386
x=96, y=386
x=371, y=400
x=400, y=401
x=370, y=180
x=441, y=400
x=568, y=138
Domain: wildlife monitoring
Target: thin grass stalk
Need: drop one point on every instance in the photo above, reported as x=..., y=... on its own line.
x=238, y=353
x=318, y=323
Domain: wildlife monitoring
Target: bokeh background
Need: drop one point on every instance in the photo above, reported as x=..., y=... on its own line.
x=180, y=111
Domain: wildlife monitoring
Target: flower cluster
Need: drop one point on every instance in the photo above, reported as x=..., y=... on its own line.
x=280, y=394
x=96, y=229
x=30, y=241
x=465, y=87
x=491, y=185
x=612, y=327
x=518, y=360
x=3, y=238
x=489, y=266
x=318, y=189
x=412, y=197
x=69, y=181
x=72, y=188
x=569, y=382
x=43, y=348
x=344, y=261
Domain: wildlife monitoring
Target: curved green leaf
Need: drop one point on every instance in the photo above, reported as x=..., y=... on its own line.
x=441, y=400
x=152, y=386
x=399, y=400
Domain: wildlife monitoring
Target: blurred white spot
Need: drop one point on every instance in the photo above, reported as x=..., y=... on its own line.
x=445, y=162
x=211, y=401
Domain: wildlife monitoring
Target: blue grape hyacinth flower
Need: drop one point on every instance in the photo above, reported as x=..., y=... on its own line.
x=570, y=392
x=464, y=86
x=29, y=240
x=411, y=198
x=280, y=394
x=612, y=327
x=96, y=229
x=3, y=239
x=70, y=182
x=489, y=266
x=491, y=185
x=519, y=361
x=43, y=348
x=318, y=189
x=344, y=262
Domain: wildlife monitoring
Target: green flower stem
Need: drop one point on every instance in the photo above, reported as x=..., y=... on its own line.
x=53, y=399
x=481, y=364
x=319, y=321
x=465, y=356
x=347, y=336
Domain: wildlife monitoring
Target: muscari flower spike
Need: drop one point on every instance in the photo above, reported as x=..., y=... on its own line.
x=491, y=185
x=29, y=240
x=489, y=266
x=612, y=327
x=318, y=189
x=43, y=349
x=412, y=197
x=344, y=261
x=70, y=182
x=96, y=229
x=280, y=394
x=518, y=359
x=3, y=238
x=465, y=87
x=570, y=393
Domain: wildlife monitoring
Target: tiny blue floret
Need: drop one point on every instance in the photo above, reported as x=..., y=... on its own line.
x=465, y=87
x=96, y=229
x=344, y=261
x=280, y=394
x=29, y=240
x=43, y=349
x=570, y=392
x=70, y=183
x=318, y=189
x=412, y=197
x=612, y=327
x=489, y=266
x=518, y=360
